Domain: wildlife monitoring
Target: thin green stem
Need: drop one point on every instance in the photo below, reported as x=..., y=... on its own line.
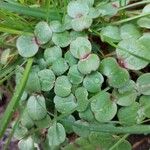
x=134, y=4
x=119, y=142
x=130, y=19
x=15, y=99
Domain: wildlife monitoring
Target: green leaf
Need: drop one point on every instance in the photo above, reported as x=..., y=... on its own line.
x=80, y=47
x=89, y=64
x=129, y=115
x=89, y=2
x=146, y=9
x=144, y=40
x=26, y=144
x=36, y=107
x=125, y=99
x=93, y=82
x=103, y=108
x=130, y=61
x=110, y=33
x=56, y=26
x=81, y=23
x=66, y=104
x=75, y=34
x=43, y=32
x=74, y=75
x=81, y=95
x=61, y=39
x=129, y=31
x=119, y=78
x=94, y=13
x=62, y=86
x=67, y=22
x=47, y=79
x=77, y=9
x=4, y=56
x=27, y=46
x=70, y=59
x=56, y=134
x=143, y=84
x=81, y=131
x=144, y=22
x=59, y=66
x=145, y=105
x=52, y=53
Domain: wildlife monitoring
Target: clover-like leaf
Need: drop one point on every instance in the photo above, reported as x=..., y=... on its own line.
x=27, y=45
x=144, y=22
x=59, y=66
x=129, y=31
x=94, y=13
x=143, y=84
x=61, y=39
x=146, y=9
x=36, y=107
x=110, y=33
x=89, y=2
x=145, y=104
x=74, y=75
x=43, y=32
x=87, y=115
x=56, y=26
x=127, y=51
x=103, y=108
x=74, y=35
x=65, y=104
x=89, y=64
x=26, y=144
x=51, y=54
x=76, y=9
x=108, y=65
x=119, y=78
x=67, y=22
x=47, y=79
x=81, y=23
x=56, y=134
x=130, y=115
x=62, y=86
x=80, y=48
x=144, y=40
x=26, y=120
x=81, y=131
x=93, y=82
x=70, y=59
x=81, y=95
x=126, y=98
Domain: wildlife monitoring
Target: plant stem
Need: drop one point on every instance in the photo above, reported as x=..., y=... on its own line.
x=134, y=4
x=15, y=99
x=130, y=19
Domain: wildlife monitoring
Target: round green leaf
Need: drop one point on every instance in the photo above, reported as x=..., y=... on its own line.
x=26, y=144
x=94, y=13
x=51, y=54
x=80, y=48
x=62, y=86
x=61, y=39
x=59, y=66
x=27, y=45
x=47, y=79
x=65, y=104
x=143, y=84
x=144, y=40
x=81, y=23
x=129, y=31
x=130, y=115
x=145, y=104
x=89, y=64
x=103, y=108
x=110, y=33
x=130, y=48
x=76, y=9
x=74, y=75
x=119, y=78
x=56, y=134
x=108, y=65
x=146, y=9
x=70, y=59
x=89, y=2
x=93, y=82
x=67, y=22
x=81, y=95
x=36, y=107
x=74, y=35
x=56, y=26
x=144, y=22
x=43, y=32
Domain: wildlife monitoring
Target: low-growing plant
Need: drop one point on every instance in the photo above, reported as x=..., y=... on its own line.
x=86, y=76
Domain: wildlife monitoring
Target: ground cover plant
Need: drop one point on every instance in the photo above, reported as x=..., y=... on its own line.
x=78, y=73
